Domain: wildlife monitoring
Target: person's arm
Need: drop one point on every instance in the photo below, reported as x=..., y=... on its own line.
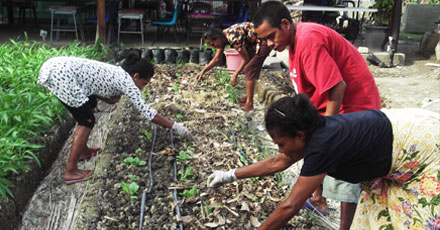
x=212, y=63
x=267, y=166
x=162, y=121
x=336, y=95
x=245, y=56
x=302, y=190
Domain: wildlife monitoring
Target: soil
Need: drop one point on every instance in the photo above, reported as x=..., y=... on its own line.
x=205, y=108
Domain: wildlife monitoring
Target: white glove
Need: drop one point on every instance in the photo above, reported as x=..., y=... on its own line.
x=181, y=130
x=218, y=178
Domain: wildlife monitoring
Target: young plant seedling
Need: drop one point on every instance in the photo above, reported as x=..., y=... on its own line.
x=189, y=193
x=133, y=177
x=176, y=86
x=147, y=133
x=183, y=156
x=130, y=189
x=187, y=174
x=180, y=116
x=134, y=161
x=139, y=151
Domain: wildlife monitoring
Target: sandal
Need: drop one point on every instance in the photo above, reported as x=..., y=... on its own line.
x=86, y=175
x=95, y=151
x=247, y=108
x=241, y=100
x=310, y=206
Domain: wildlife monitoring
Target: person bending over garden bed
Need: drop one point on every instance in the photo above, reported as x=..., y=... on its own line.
x=393, y=153
x=79, y=82
x=243, y=38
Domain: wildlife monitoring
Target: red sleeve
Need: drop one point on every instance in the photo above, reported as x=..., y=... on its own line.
x=319, y=67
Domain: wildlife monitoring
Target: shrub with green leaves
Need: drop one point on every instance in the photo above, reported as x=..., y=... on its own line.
x=27, y=109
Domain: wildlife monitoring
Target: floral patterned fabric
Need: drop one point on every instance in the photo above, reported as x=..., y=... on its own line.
x=409, y=196
x=243, y=35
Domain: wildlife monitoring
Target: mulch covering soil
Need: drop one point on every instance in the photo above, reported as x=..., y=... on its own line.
x=208, y=109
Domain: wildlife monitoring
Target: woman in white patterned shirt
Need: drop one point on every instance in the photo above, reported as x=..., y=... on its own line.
x=78, y=82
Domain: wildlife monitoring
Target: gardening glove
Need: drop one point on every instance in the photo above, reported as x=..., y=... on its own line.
x=181, y=130
x=218, y=178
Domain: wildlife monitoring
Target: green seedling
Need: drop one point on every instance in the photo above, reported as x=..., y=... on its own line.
x=139, y=151
x=133, y=177
x=252, y=178
x=147, y=133
x=176, y=86
x=178, y=75
x=243, y=160
x=189, y=193
x=183, y=156
x=187, y=174
x=134, y=161
x=190, y=149
x=180, y=116
x=130, y=189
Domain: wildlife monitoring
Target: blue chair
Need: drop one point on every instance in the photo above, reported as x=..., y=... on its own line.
x=241, y=17
x=167, y=24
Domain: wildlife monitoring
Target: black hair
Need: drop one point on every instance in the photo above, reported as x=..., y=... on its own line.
x=133, y=63
x=273, y=12
x=291, y=114
x=212, y=34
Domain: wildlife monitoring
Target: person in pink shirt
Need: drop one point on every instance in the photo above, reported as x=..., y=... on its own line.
x=332, y=73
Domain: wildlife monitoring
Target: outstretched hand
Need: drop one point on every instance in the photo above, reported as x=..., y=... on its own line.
x=218, y=178
x=181, y=130
x=199, y=76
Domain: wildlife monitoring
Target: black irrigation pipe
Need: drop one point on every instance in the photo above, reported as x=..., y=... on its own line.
x=276, y=80
x=177, y=208
x=234, y=138
x=150, y=175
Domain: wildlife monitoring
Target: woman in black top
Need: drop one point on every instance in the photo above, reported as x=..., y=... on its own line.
x=394, y=154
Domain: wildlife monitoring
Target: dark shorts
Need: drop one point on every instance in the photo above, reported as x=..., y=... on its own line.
x=84, y=114
x=253, y=67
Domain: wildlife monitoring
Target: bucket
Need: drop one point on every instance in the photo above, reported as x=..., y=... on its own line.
x=233, y=59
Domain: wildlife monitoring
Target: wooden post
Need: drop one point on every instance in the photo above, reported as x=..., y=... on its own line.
x=395, y=22
x=101, y=20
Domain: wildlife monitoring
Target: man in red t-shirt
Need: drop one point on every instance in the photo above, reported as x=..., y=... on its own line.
x=331, y=71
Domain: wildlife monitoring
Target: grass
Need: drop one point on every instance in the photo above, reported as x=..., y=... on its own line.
x=27, y=109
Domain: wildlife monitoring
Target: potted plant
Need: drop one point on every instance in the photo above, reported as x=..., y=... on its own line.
x=376, y=32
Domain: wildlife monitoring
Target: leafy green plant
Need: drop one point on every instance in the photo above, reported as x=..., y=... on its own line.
x=383, y=15
x=183, y=156
x=180, y=116
x=176, y=86
x=147, y=133
x=138, y=151
x=134, y=161
x=187, y=174
x=189, y=193
x=28, y=110
x=243, y=160
x=130, y=190
x=133, y=177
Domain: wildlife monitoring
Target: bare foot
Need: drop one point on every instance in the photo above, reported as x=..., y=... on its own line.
x=90, y=153
x=76, y=174
x=247, y=108
x=321, y=203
